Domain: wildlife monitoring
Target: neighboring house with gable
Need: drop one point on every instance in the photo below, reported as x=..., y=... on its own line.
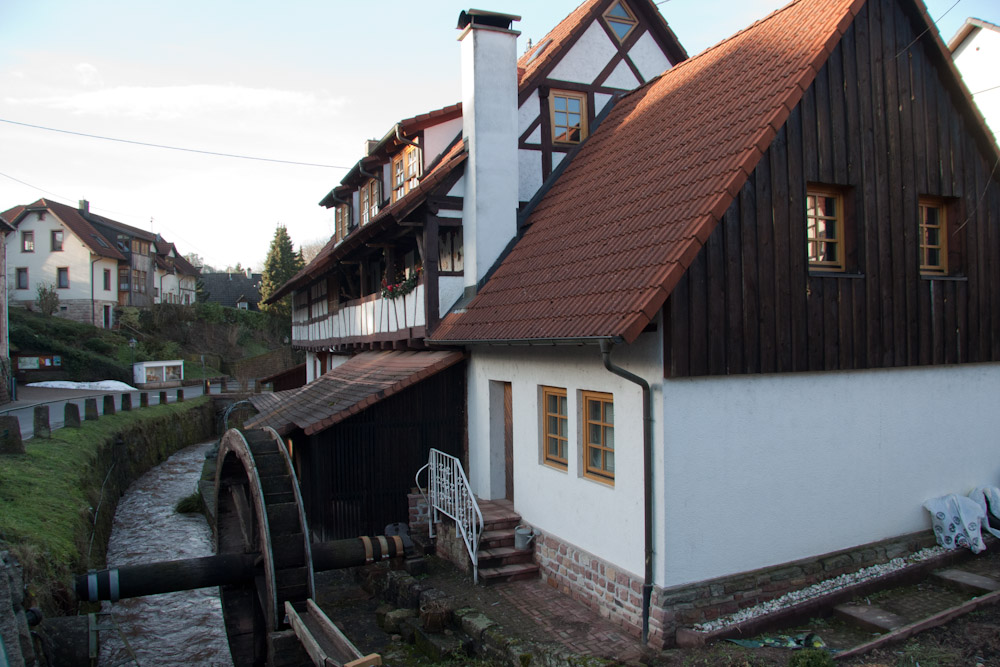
x=233, y=290
x=976, y=51
x=175, y=278
x=95, y=263
x=718, y=352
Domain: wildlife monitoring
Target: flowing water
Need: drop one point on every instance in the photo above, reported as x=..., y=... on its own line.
x=173, y=628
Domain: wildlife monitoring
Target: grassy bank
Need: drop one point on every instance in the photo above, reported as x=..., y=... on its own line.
x=57, y=500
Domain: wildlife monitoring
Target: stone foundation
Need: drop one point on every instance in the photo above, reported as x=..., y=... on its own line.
x=617, y=594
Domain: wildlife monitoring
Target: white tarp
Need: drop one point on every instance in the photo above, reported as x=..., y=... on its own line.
x=958, y=521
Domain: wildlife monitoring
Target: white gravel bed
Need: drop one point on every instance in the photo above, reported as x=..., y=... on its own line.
x=819, y=589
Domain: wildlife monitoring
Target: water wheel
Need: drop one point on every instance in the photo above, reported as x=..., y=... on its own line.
x=260, y=511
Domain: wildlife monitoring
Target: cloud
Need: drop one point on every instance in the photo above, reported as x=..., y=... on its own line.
x=88, y=75
x=180, y=102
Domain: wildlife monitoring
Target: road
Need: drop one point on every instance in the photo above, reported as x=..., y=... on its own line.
x=29, y=397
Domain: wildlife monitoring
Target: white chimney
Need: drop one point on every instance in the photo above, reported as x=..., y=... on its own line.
x=489, y=118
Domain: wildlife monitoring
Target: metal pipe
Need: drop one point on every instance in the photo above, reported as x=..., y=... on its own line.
x=647, y=478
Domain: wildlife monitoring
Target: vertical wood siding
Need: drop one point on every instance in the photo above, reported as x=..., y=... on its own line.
x=879, y=121
x=356, y=474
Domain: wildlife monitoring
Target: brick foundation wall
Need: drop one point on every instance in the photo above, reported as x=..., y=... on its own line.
x=617, y=594
x=418, y=512
x=613, y=593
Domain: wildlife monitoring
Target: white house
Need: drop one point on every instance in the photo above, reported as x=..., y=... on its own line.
x=976, y=51
x=175, y=278
x=94, y=263
x=718, y=341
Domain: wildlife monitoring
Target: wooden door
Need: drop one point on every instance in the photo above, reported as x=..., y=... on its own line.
x=508, y=440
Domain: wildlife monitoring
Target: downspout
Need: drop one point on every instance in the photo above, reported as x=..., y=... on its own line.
x=408, y=142
x=378, y=184
x=93, y=317
x=647, y=478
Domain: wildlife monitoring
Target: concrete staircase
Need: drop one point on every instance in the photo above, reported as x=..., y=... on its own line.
x=498, y=559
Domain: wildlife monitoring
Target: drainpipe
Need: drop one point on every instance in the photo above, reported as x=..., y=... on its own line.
x=93, y=316
x=378, y=183
x=408, y=142
x=647, y=478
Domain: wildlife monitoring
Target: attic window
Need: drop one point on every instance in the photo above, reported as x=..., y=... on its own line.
x=569, y=117
x=620, y=20
x=538, y=50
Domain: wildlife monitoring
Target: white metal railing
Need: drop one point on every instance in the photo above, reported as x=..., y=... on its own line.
x=449, y=492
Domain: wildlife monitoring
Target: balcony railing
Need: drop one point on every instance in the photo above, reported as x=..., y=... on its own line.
x=369, y=316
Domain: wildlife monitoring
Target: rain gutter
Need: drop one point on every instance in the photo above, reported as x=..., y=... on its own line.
x=647, y=478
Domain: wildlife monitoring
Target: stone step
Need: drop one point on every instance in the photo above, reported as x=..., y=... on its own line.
x=504, y=556
x=514, y=572
x=500, y=522
x=496, y=538
x=870, y=617
x=967, y=582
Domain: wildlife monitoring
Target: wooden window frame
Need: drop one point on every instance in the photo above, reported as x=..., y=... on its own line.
x=554, y=460
x=840, y=239
x=28, y=241
x=601, y=474
x=941, y=267
x=609, y=20
x=60, y=272
x=414, y=167
x=399, y=177
x=53, y=236
x=107, y=280
x=18, y=272
x=568, y=95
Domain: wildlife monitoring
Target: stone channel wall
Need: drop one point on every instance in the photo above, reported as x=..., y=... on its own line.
x=118, y=459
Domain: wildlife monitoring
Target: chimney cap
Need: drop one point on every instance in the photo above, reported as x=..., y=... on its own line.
x=482, y=17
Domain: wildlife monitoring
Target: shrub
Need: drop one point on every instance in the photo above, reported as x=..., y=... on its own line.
x=811, y=657
x=47, y=298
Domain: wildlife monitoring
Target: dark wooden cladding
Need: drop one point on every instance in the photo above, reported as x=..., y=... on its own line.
x=355, y=475
x=884, y=123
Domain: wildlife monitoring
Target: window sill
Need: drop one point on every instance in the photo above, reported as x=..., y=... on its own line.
x=559, y=467
x=813, y=273
x=958, y=279
x=610, y=483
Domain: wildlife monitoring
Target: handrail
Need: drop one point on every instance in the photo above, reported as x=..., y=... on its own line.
x=451, y=494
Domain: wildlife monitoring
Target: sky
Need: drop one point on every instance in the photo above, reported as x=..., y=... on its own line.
x=297, y=81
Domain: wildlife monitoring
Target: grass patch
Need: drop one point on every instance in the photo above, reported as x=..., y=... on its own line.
x=193, y=504
x=58, y=498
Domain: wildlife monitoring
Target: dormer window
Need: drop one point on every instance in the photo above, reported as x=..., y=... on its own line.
x=414, y=168
x=398, y=178
x=620, y=20
x=369, y=201
x=342, y=218
x=569, y=117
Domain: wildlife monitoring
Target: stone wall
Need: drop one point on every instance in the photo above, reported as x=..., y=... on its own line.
x=13, y=624
x=617, y=594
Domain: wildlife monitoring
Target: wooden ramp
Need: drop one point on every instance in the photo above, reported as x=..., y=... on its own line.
x=324, y=642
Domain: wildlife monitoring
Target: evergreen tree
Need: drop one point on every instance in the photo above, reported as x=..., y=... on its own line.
x=281, y=264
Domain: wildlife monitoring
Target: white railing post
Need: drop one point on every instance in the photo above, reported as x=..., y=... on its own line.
x=449, y=492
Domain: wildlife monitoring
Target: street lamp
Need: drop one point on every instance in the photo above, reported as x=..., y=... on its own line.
x=131, y=344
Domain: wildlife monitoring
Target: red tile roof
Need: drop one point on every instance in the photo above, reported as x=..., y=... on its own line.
x=71, y=217
x=535, y=60
x=614, y=235
x=348, y=389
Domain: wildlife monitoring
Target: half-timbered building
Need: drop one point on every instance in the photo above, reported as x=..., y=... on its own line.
x=752, y=326
x=420, y=221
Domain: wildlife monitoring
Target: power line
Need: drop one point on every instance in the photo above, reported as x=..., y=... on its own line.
x=173, y=148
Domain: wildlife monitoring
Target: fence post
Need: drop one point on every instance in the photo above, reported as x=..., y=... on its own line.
x=42, y=427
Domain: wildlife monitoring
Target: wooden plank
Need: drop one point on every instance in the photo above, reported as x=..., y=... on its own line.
x=309, y=643
x=815, y=323
x=797, y=269
x=908, y=168
x=934, y=621
x=921, y=129
x=860, y=356
x=824, y=136
x=924, y=325
x=831, y=324
x=950, y=323
x=869, y=617
x=680, y=338
x=778, y=155
x=698, y=309
x=866, y=208
x=732, y=235
x=715, y=259
x=882, y=197
x=332, y=633
x=765, y=267
x=838, y=122
x=897, y=223
x=845, y=321
x=748, y=229
x=937, y=322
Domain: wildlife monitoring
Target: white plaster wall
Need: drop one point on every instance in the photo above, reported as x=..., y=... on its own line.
x=600, y=101
x=101, y=294
x=529, y=173
x=439, y=137
x=648, y=58
x=588, y=57
x=42, y=263
x=761, y=470
x=527, y=113
x=621, y=77
x=604, y=520
x=450, y=289
x=977, y=58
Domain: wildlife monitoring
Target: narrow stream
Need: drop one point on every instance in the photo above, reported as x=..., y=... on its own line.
x=174, y=628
